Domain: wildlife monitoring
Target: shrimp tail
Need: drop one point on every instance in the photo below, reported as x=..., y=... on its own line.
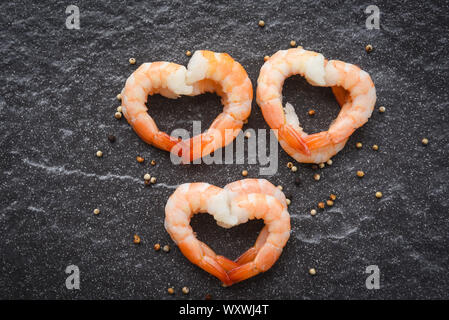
x=291, y=136
x=225, y=263
x=247, y=256
x=164, y=141
x=243, y=272
x=213, y=267
x=341, y=95
x=251, y=253
x=194, y=148
x=201, y=255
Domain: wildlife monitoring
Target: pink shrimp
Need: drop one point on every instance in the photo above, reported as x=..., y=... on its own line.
x=207, y=71
x=352, y=87
x=230, y=206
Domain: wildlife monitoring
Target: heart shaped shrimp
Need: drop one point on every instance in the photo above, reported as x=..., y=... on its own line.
x=236, y=203
x=352, y=87
x=207, y=71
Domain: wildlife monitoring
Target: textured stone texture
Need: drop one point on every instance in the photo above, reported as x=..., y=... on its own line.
x=57, y=99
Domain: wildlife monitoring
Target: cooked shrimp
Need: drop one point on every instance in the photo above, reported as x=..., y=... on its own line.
x=352, y=87
x=229, y=209
x=248, y=186
x=272, y=239
x=206, y=72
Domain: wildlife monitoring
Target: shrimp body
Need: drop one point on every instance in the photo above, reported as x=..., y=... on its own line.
x=352, y=87
x=248, y=186
x=230, y=206
x=207, y=71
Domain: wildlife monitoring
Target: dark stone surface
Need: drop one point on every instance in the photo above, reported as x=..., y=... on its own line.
x=57, y=99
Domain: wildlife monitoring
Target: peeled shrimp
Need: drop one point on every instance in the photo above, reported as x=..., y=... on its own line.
x=237, y=203
x=352, y=87
x=207, y=71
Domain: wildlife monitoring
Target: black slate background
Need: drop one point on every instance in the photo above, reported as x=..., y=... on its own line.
x=57, y=99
